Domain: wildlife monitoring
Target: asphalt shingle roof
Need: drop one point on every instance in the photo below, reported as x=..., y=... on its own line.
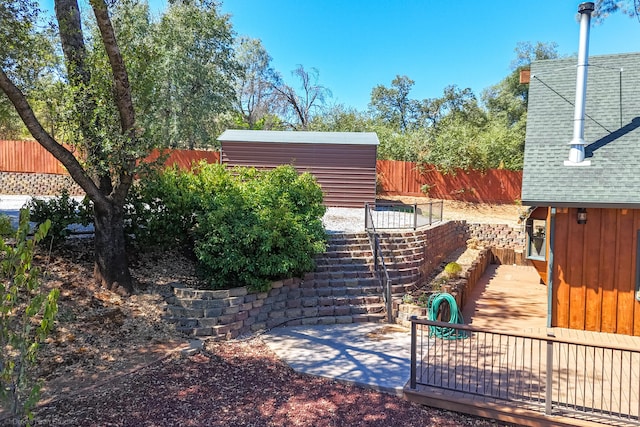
x=612, y=132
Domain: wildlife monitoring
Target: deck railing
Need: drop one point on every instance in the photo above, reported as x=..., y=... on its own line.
x=401, y=216
x=585, y=380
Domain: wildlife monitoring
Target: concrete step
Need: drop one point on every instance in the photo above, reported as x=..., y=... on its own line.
x=352, y=246
x=326, y=274
x=345, y=259
x=343, y=282
x=345, y=268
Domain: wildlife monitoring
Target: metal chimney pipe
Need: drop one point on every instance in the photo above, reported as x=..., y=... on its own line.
x=576, y=152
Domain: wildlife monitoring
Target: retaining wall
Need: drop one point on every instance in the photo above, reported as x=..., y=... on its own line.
x=226, y=314
x=37, y=184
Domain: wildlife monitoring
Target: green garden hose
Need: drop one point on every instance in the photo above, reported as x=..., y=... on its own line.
x=456, y=317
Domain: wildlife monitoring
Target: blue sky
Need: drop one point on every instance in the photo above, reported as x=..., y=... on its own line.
x=357, y=45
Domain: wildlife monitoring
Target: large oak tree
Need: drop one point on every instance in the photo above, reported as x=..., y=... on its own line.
x=107, y=185
x=179, y=73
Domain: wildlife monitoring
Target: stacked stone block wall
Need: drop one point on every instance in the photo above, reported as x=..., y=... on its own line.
x=226, y=314
x=497, y=235
x=420, y=252
x=460, y=290
x=37, y=184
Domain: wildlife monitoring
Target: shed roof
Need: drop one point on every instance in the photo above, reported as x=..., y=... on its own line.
x=612, y=132
x=300, y=137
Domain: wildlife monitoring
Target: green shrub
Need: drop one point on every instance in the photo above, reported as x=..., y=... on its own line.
x=62, y=211
x=26, y=318
x=6, y=229
x=247, y=227
x=160, y=209
x=260, y=227
x=452, y=270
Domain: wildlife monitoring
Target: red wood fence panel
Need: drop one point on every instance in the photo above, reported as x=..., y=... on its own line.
x=409, y=179
x=31, y=157
x=27, y=156
x=184, y=158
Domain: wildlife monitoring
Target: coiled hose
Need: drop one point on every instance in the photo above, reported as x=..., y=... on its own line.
x=456, y=317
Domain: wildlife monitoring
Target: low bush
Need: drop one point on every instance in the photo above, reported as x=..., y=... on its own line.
x=161, y=209
x=62, y=211
x=6, y=229
x=452, y=270
x=247, y=227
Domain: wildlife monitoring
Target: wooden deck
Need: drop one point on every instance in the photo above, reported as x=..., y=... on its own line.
x=503, y=375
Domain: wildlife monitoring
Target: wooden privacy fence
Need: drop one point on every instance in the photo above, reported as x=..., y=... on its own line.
x=394, y=177
x=31, y=157
x=408, y=179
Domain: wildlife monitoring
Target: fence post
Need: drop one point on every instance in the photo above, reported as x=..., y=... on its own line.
x=415, y=216
x=430, y=213
x=548, y=399
x=414, y=346
x=441, y=208
x=366, y=216
x=389, y=301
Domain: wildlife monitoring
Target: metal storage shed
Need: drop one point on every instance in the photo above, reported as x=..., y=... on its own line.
x=344, y=163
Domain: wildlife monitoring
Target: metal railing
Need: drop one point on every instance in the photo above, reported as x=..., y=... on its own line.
x=380, y=268
x=591, y=381
x=401, y=216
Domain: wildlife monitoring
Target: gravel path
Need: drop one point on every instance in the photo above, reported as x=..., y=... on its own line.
x=344, y=219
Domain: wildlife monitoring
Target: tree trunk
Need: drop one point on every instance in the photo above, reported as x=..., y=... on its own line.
x=111, y=268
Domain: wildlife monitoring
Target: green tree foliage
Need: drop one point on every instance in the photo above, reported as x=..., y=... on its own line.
x=393, y=106
x=125, y=82
x=453, y=131
x=247, y=227
x=394, y=145
x=196, y=73
x=340, y=118
x=26, y=55
x=606, y=7
x=182, y=69
x=26, y=317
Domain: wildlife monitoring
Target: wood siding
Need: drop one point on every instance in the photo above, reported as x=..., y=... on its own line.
x=594, y=272
x=411, y=179
x=346, y=173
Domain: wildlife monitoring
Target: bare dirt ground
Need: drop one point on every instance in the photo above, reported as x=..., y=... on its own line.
x=114, y=361
x=470, y=212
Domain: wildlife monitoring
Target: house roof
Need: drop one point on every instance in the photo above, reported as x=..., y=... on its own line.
x=612, y=133
x=300, y=137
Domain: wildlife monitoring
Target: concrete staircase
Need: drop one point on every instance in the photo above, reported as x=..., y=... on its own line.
x=345, y=283
x=344, y=288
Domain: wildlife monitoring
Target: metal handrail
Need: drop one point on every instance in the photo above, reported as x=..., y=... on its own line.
x=548, y=374
x=374, y=241
x=401, y=216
